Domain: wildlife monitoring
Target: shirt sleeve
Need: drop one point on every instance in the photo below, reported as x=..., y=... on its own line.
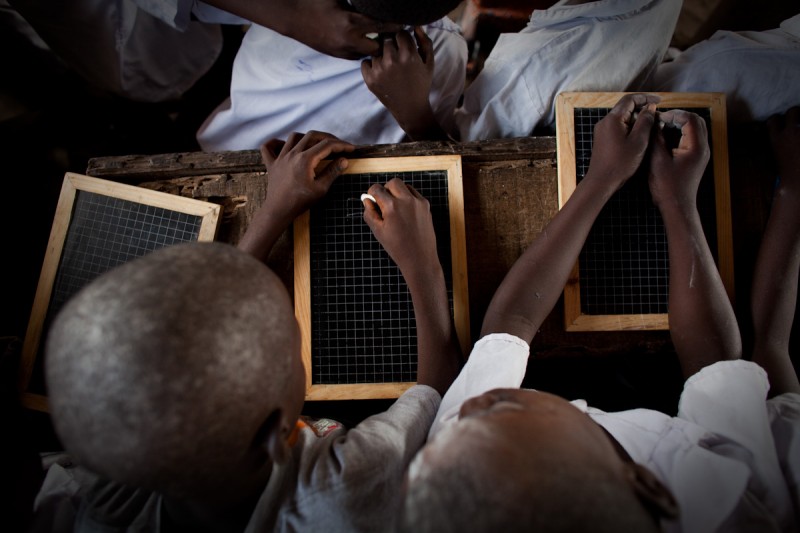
x=355, y=482
x=497, y=361
x=729, y=399
x=784, y=416
x=178, y=13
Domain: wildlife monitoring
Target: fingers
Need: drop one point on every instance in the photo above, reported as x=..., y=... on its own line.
x=630, y=102
x=659, y=151
x=332, y=171
x=365, y=24
x=366, y=69
x=401, y=46
x=694, y=133
x=643, y=124
x=320, y=145
x=425, y=44
x=386, y=194
x=362, y=32
x=270, y=151
x=406, y=46
x=398, y=188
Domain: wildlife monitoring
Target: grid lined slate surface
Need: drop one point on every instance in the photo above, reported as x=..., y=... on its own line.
x=105, y=232
x=624, y=264
x=362, y=320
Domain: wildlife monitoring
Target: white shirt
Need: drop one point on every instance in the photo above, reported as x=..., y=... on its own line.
x=730, y=457
x=758, y=71
x=280, y=86
x=145, y=50
x=609, y=45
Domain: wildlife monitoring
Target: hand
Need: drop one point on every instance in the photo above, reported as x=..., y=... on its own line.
x=675, y=175
x=621, y=138
x=402, y=223
x=784, y=134
x=335, y=31
x=401, y=79
x=294, y=184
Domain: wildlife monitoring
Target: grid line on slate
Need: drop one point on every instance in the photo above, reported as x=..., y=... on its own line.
x=105, y=232
x=624, y=264
x=362, y=320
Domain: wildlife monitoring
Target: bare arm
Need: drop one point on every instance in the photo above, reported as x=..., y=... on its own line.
x=402, y=224
x=294, y=185
x=775, y=279
x=324, y=25
x=702, y=323
x=535, y=282
x=401, y=79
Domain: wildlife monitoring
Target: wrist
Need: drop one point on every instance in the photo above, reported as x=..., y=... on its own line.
x=421, y=125
x=603, y=183
x=423, y=274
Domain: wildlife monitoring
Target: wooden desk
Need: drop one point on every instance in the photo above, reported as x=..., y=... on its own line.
x=510, y=193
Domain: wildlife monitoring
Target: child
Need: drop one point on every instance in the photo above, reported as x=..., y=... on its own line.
x=574, y=45
x=521, y=460
x=280, y=86
x=177, y=377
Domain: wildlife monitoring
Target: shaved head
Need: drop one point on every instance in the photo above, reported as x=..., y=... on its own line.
x=162, y=372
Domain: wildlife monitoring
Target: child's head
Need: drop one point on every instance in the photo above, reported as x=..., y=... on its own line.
x=521, y=460
x=179, y=372
x=411, y=12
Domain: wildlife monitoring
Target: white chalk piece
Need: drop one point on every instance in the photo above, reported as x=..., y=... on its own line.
x=366, y=196
x=371, y=35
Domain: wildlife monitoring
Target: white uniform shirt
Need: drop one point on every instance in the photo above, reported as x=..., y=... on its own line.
x=280, y=86
x=609, y=45
x=730, y=457
x=758, y=71
x=145, y=50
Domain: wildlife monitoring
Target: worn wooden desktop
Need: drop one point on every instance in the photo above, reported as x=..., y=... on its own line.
x=510, y=193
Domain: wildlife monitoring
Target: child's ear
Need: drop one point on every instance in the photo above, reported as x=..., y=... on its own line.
x=653, y=494
x=273, y=435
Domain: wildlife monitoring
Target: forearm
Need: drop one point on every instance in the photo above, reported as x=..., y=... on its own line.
x=774, y=293
x=422, y=125
x=439, y=353
x=271, y=14
x=702, y=323
x=535, y=282
x=263, y=232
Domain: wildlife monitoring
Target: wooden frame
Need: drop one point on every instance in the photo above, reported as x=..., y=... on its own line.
x=302, y=272
x=566, y=103
x=210, y=218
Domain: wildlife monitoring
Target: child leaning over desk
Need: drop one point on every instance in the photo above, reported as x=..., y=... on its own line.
x=176, y=379
x=521, y=460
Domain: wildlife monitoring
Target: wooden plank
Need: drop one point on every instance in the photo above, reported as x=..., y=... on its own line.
x=510, y=189
x=141, y=168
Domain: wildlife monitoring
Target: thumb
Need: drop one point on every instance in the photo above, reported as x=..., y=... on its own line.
x=269, y=151
x=643, y=126
x=659, y=154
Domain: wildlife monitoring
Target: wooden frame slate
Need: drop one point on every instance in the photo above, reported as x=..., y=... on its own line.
x=566, y=104
x=451, y=164
x=208, y=215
